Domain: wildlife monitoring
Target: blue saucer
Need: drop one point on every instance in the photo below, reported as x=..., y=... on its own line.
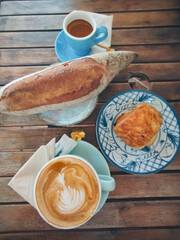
x=138, y=161
x=63, y=51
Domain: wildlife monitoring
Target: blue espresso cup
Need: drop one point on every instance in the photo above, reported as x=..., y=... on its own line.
x=82, y=45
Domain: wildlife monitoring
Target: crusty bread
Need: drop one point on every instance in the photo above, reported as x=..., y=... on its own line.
x=139, y=127
x=63, y=85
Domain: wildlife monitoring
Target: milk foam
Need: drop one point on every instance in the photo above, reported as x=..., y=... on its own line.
x=67, y=192
x=70, y=199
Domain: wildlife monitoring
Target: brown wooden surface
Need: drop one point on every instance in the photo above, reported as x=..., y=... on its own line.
x=141, y=207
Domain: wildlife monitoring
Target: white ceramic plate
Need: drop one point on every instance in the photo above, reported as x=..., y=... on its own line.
x=149, y=159
x=69, y=116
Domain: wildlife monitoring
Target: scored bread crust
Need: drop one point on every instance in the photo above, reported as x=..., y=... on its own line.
x=139, y=127
x=64, y=85
x=54, y=86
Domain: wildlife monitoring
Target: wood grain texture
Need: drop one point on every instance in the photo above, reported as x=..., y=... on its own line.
x=113, y=234
x=8, y=195
x=154, y=53
x=120, y=20
x=132, y=186
x=155, y=72
x=10, y=73
x=157, y=87
x=124, y=214
x=18, y=138
x=32, y=120
x=56, y=6
x=119, y=37
x=47, y=56
x=11, y=162
x=127, y=186
x=141, y=207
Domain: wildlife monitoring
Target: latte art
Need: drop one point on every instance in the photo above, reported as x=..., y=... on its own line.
x=70, y=199
x=67, y=192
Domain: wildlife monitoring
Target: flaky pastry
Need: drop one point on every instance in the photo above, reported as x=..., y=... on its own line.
x=139, y=127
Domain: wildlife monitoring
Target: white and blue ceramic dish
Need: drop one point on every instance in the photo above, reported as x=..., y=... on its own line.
x=69, y=116
x=95, y=158
x=149, y=159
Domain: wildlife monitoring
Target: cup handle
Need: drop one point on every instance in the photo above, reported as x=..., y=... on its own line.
x=100, y=30
x=107, y=183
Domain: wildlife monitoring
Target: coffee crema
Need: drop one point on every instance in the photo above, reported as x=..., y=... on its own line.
x=79, y=28
x=67, y=192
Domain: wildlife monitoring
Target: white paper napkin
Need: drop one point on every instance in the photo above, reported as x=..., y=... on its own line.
x=24, y=179
x=105, y=20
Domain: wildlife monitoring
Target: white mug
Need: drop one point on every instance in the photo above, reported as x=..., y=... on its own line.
x=69, y=188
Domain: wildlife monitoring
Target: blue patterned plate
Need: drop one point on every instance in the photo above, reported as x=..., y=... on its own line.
x=149, y=159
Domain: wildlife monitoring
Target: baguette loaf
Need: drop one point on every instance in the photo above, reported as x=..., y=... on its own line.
x=64, y=85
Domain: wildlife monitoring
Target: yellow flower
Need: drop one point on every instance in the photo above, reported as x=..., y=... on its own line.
x=77, y=135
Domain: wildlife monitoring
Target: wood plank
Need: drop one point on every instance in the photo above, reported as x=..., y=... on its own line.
x=120, y=20
x=157, y=87
x=10, y=73
x=17, y=138
x=55, y=6
x=127, y=186
x=27, y=39
x=8, y=120
x=8, y=194
x=156, y=47
x=155, y=71
x=29, y=56
x=145, y=36
x=31, y=120
x=132, y=186
x=154, y=53
x=124, y=214
x=119, y=37
x=146, y=19
x=47, y=56
x=166, y=91
x=31, y=23
x=11, y=162
x=115, y=234
x=36, y=56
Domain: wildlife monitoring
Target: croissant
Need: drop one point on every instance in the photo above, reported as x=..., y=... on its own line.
x=139, y=127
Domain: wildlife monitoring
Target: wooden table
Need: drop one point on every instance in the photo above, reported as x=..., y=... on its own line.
x=141, y=207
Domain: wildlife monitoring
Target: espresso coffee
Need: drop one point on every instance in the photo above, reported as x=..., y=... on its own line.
x=79, y=28
x=67, y=192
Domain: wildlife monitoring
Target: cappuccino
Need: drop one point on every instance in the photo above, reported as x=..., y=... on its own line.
x=67, y=192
